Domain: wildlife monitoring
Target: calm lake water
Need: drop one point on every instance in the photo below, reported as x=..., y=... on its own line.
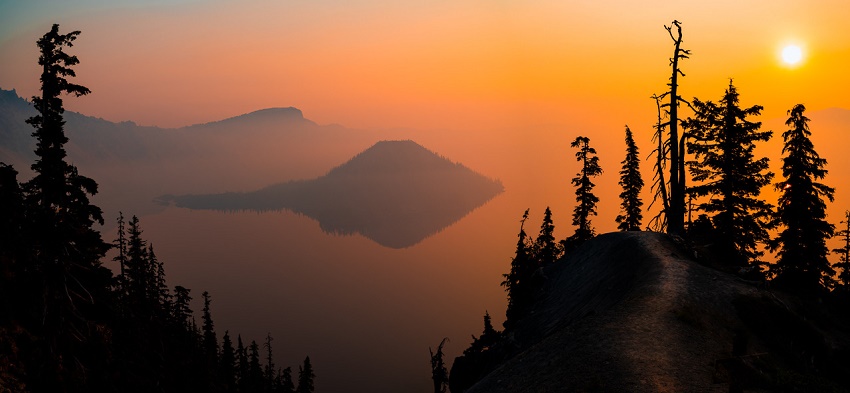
x=364, y=313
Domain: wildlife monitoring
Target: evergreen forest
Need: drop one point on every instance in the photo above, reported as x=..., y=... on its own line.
x=67, y=322
x=706, y=186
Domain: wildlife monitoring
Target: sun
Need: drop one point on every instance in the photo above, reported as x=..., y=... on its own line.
x=792, y=54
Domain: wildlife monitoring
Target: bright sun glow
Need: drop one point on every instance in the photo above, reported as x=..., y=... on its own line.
x=792, y=54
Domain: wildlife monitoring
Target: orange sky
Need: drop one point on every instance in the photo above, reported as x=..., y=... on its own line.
x=438, y=64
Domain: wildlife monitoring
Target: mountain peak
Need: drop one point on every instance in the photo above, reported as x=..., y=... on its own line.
x=262, y=116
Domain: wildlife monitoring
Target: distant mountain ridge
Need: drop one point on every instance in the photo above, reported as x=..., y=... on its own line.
x=396, y=193
x=133, y=164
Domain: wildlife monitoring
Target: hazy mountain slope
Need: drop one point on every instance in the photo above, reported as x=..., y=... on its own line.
x=133, y=164
x=633, y=312
x=395, y=193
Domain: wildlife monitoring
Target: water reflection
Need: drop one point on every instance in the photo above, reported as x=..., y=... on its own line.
x=396, y=193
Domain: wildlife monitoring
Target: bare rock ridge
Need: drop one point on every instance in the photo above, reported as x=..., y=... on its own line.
x=634, y=312
x=396, y=193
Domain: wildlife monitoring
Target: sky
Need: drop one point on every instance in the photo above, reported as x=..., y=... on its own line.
x=454, y=65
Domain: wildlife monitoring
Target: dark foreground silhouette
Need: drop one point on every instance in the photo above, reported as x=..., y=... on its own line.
x=396, y=193
x=634, y=311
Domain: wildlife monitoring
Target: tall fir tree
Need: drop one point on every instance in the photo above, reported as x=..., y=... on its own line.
x=160, y=295
x=228, y=363
x=121, y=245
x=632, y=183
x=585, y=198
x=802, y=263
x=255, y=370
x=518, y=282
x=137, y=268
x=243, y=367
x=12, y=243
x=210, y=341
x=287, y=385
x=65, y=270
x=730, y=175
x=306, y=377
x=546, y=250
x=844, y=255
x=182, y=311
x=270, y=369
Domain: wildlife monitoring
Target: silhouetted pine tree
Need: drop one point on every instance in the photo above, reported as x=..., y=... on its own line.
x=270, y=369
x=546, y=250
x=305, y=377
x=802, y=264
x=632, y=183
x=287, y=385
x=228, y=363
x=255, y=371
x=160, y=295
x=586, y=207
x=137, y=269
x=121, y=244
x=518, y=282
x=243, y=366
x=439, y=373
x=182, y=311
x=65, y=272
x=675, y=144
x=12, y=243
x=844, y=255
x=730, y=175
x=210, y=341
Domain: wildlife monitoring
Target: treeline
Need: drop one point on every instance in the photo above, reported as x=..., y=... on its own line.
x=722, y=216
x=67, y=323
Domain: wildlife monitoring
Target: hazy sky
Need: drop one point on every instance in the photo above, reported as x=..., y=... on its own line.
x=428, y=64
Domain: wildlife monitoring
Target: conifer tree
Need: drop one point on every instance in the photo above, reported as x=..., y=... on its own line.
x=66, y=270
x=439, y=373
x=586, y=207
x=210, y=341
x=160, y=294
x=121, y=245
x=137, y=267
x=490, y=334
x=802, y=264
x=270, y=369
x=730, y=175
x=243, y=367
x=518, y=281
x=287, y=385
x=659, y=184
x=632, y=183
x=182, y=311
x=546, y=250
x=228, y=363
x=844, y=254
x=255, y=371
x=305, y=377
x=12, y=242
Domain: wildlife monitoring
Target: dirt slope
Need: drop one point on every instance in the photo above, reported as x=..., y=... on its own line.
x=633, y=312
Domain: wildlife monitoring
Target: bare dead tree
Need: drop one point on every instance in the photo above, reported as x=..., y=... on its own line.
x=659, y=185
x=676, y=209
